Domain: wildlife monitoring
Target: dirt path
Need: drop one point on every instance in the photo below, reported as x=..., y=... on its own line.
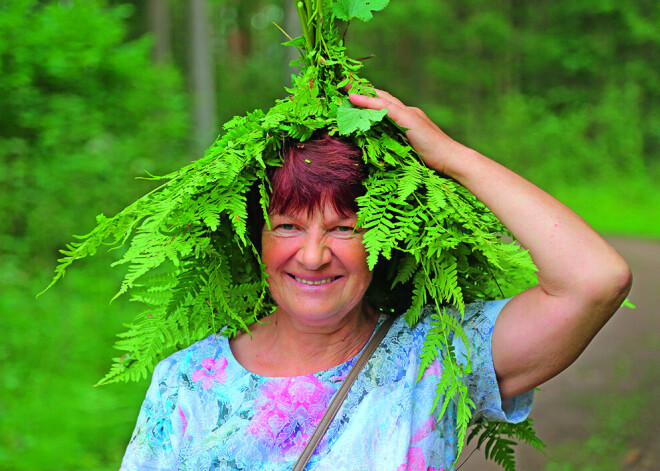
x=622, y=359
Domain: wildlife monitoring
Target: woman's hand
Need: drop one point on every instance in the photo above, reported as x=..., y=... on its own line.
x=439, y=151
x=582, y=279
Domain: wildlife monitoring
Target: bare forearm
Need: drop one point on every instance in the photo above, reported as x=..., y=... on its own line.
x=570, y=255
x=582, y=280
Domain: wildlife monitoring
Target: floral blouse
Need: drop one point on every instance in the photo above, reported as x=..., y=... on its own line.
x=204, y=411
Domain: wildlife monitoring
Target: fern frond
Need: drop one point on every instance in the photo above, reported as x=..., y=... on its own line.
x=406, y=269
x=418, y=298
x=498, y=447
x=410, y=180
x=191, y=232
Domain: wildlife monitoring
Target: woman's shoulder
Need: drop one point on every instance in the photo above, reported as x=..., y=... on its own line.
x=473, y=312
x=178, y=363
x=477, y=315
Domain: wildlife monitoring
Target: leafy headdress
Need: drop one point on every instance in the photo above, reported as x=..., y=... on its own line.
x=192, y=264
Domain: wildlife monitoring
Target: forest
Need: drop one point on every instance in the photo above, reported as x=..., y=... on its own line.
x=95, y=94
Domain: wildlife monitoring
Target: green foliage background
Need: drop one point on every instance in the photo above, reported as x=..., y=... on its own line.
x=564, y=92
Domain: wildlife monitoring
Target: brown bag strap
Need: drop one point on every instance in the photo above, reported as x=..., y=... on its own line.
x=341, y=394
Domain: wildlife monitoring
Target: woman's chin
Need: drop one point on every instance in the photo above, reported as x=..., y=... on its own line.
x=316, y=313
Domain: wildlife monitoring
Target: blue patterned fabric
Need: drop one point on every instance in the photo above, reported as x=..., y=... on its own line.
x=204, y=411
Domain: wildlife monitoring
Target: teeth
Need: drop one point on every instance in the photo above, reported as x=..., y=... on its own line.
x=307, y=282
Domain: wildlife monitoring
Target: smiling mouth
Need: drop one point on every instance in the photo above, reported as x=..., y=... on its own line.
x=309, y=282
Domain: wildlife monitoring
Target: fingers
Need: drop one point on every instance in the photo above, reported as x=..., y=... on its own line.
x=364, y=101
x=380, y=101
x=388, y=97
x=395, y=109
x=379, y=93
x=405, y=116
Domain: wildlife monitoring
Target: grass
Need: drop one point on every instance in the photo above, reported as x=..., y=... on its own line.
x=54, y=350
x=629, y=209
x=622, y=418
x=613, y=433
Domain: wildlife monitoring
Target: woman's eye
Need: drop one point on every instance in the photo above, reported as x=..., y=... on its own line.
x=287, y=227
x=344, y=229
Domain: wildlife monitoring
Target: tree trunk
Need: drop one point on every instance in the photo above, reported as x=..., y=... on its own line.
x=203, y=77
x=159, y=23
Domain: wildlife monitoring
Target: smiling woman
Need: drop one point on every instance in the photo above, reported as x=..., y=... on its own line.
x=316, y=263
x=317, y=275
x=254, y=401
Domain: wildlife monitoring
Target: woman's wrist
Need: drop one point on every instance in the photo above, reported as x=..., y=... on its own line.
x=456, y=161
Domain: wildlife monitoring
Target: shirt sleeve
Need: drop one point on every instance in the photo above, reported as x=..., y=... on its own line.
x=150, y=447
x=483, y=388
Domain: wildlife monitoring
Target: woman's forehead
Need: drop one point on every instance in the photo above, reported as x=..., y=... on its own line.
x=325, y=213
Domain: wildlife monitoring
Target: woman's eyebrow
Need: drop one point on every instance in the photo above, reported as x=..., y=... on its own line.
x=341, y=216
x=339, y=220
x=329, y=221
x=282, y=215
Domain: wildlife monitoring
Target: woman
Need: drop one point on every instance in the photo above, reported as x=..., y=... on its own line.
x=253, y=402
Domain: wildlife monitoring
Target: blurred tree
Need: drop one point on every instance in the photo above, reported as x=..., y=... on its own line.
x=485, y=70
x=565, y=92
x=159, y=23
x=294, y=29
x=202, y=76
x=250, y=61
x=82, y=112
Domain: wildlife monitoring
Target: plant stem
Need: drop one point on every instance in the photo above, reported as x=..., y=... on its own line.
x=289, y=37
x=300, y=8
x=310, y=24
x=282, y=31
x=319, y=21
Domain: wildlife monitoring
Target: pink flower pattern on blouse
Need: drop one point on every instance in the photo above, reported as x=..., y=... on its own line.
x=211, y=371
x=205, y=412
x=416, y=462
x=288, y=410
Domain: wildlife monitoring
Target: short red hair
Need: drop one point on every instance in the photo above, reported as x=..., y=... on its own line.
x=321, y=170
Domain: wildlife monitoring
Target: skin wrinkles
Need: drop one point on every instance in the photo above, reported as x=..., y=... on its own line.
x=314, y=327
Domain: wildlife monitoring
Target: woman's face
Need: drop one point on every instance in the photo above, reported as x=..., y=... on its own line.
x=316, y=264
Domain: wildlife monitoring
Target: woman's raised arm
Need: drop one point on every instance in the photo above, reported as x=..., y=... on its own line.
x=582, y=279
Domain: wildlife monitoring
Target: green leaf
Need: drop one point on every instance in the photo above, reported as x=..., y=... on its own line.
x=628, y=304
x=351, y=119
x=296, y=42
x=360, y=9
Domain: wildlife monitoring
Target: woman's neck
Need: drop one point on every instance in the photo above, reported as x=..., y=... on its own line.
x=281, y=346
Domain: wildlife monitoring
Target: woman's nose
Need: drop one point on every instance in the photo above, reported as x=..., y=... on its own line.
x=314, y=253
